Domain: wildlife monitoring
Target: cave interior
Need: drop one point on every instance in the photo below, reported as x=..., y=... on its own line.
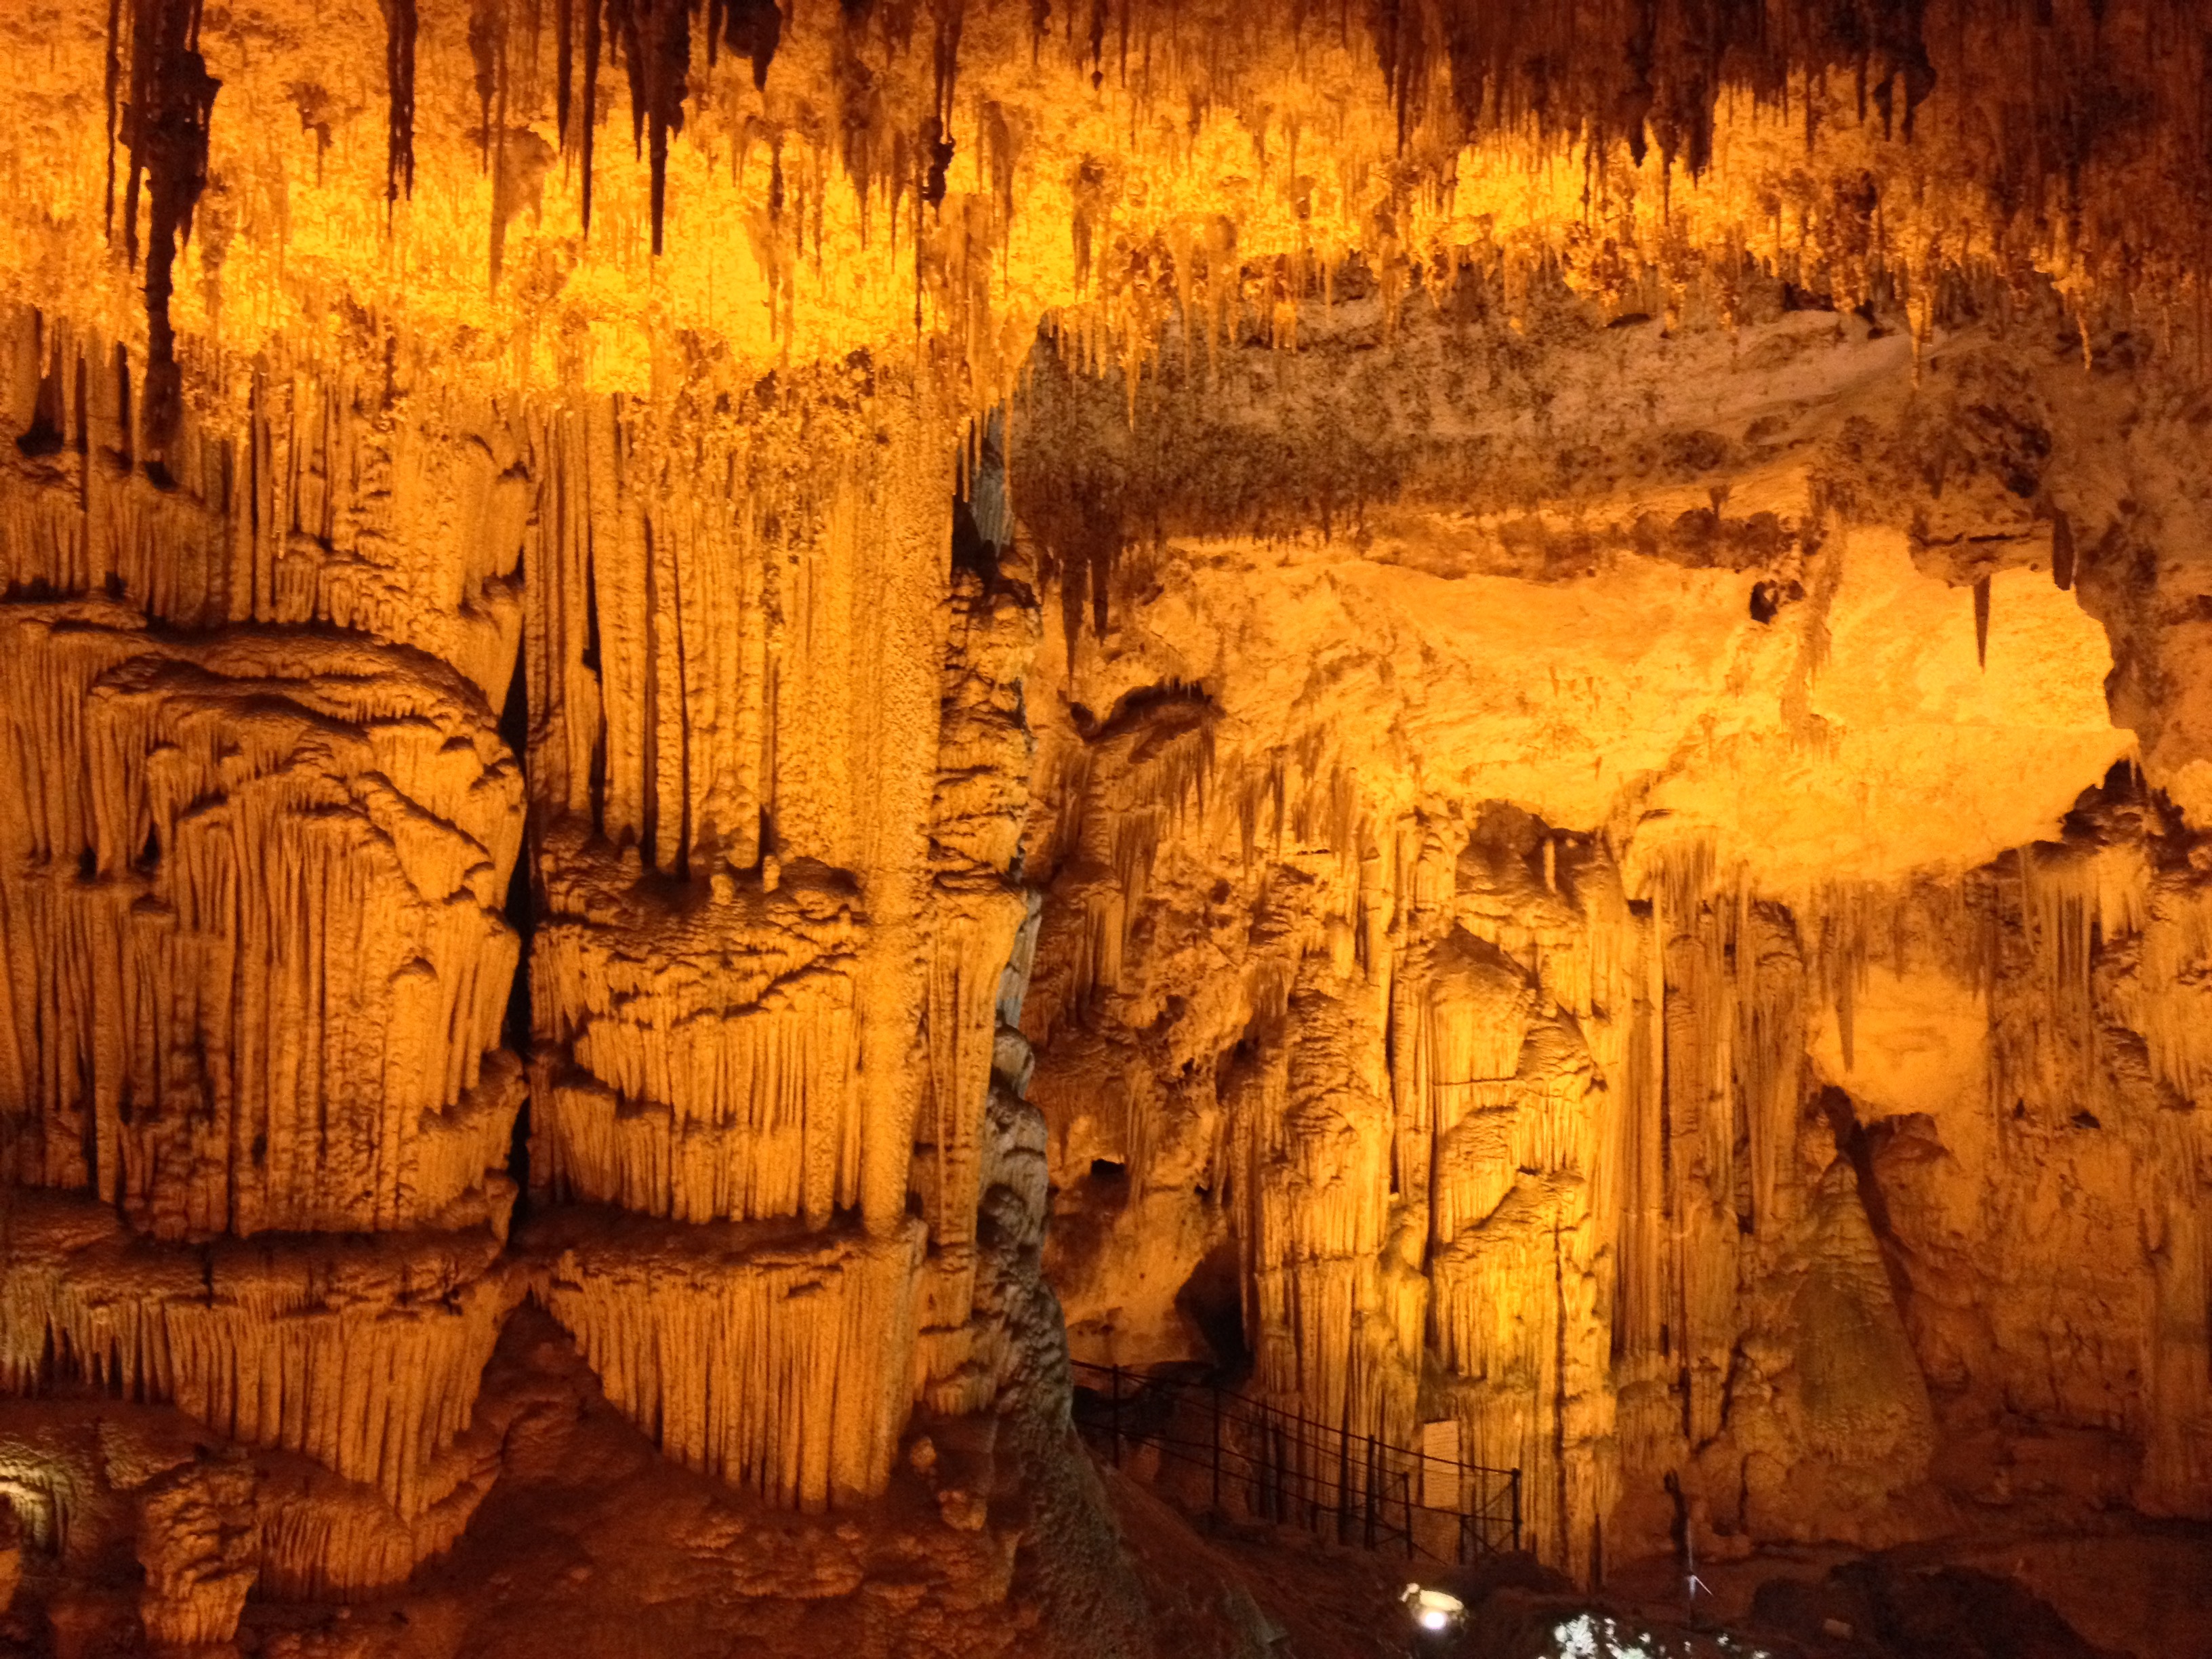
x=1095, y=818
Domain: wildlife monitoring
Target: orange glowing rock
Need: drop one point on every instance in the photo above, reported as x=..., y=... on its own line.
x=1601, y=855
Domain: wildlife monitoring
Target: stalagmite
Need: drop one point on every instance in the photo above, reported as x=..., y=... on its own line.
x=198, y=1539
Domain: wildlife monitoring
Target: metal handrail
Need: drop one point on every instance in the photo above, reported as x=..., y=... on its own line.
x=1373, y=1505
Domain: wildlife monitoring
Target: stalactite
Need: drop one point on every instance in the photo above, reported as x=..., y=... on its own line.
x=654, y=39
x=363, y=1356
x=591, y=122
x=401, y=27
x=329, y=505
x=565, y=70
x=1454, y=120
x=165, y=133
x=487, y=26
x=781, y=1365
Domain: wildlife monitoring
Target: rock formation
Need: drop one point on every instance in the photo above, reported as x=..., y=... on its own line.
x=1510, y=920
x=1510, y=699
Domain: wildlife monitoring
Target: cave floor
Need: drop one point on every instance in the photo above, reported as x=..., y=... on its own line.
x=2142, y=1588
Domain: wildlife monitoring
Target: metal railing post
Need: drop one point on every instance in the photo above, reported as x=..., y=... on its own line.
x=1280, y=1448
x=1216, y=1449
x=1342, y=1462
x=1114, y=1413
x=1516, y=1512
x=1368, y=1486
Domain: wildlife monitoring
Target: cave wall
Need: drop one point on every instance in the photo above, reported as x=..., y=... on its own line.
x=261, y=920
x=257, y=1101
x=1614, y=909
x=439, y=539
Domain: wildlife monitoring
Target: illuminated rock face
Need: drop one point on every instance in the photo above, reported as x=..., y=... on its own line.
x=1486, y=720
x=1679, y=979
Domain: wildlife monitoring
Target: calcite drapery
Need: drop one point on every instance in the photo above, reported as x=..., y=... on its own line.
x=705, y=1097
x=299, y=493
x=363, y=1354
x=762, y=1360
x=212, y=841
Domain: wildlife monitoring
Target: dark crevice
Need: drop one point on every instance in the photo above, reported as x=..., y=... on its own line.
x=2062, y=549
x=84, y=440
x=750, y=28
x=45, y=434
x=1767, y=599
x=122, y=457
x=648, y=834
x=521, y=916
x=589, y=661
x=972, y=553
x=1213, y=1300
x=399, y=31
x=1172, y=705
x=166, y=135
x=1559, y=1375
